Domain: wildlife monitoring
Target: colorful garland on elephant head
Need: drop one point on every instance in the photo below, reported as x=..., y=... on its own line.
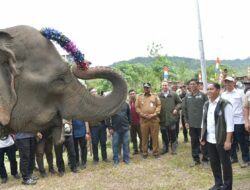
x=66, y=44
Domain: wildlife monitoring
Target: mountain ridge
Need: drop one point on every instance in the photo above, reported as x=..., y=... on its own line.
x=192, y=63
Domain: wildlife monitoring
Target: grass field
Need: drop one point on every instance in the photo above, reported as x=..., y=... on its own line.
x=168, y=173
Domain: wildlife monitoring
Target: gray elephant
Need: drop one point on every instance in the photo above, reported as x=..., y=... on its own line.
x=38, y=89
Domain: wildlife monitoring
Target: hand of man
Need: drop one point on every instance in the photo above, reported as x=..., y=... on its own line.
x=175, y=112
x=39, y=135
x=227, y=145
x=87, y=137
x=247, y=127
x=202, y=142
x=111, y=132
x=149, y=116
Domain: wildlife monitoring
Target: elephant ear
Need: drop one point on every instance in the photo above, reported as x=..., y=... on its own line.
x=8, y=72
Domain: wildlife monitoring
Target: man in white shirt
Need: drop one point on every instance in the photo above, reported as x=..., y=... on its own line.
x=236, y=98
x=217, y=130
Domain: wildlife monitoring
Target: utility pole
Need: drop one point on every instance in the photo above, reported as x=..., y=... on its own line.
x=202, y=55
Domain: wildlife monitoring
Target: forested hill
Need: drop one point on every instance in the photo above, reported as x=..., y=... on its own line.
x=239, y=64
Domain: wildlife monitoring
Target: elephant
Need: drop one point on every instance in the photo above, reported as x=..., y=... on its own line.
x=38, y=88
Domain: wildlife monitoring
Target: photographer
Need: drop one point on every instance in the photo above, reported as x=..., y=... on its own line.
x=69, y=144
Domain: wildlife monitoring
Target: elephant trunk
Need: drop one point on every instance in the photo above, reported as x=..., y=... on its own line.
x=97, y=108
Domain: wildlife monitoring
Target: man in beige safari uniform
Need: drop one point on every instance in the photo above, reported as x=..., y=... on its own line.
x=148, y=106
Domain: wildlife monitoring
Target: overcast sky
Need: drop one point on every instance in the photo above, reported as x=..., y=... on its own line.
x=108, y=31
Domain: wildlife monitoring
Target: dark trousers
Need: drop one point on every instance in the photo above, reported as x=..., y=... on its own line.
x=44, y=146
x=27, y=149
x=134, y=131
x=81, y=141
x=185, y=131
x=177, y=128
x=195, y=134
x=11, y=153
x=69, y=144
x=239, y=136
x=219, y=157
x=168, y=135
x=99, y=134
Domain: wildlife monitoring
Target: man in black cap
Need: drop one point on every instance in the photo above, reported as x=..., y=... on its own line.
x=148, y=106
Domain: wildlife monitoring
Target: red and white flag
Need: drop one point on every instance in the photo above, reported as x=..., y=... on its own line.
x=217, y=63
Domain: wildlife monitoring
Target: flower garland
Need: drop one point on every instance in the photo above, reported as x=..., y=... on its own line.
x=66, y=44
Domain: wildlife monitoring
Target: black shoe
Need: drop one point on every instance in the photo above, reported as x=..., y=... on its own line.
x=29, y=181
x=135, y=152
x=52, y=171
x=83, y=166
x=74, y=170
x=195, y=163
x=106, y=160
x=157, y=157
x=205, y=164
x=215, y=187
x=60, y=174
x=144, y=157
x=43, y=174
x=163, y=152
x=234, y=161
x=16, y=176
x=4, y=180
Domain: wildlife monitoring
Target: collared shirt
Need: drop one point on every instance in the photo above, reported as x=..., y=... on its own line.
x=165, y=94
x=148, y=104
x=192, y=108
x=6, y=142
x=236, y=98
x=211, y=120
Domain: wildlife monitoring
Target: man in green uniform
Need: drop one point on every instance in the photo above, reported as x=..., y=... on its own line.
x=192, y=110
x=170, y=106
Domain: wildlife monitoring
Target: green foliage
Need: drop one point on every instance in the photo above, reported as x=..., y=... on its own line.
x=136, y=75
x=150, y=69
x=99, y=85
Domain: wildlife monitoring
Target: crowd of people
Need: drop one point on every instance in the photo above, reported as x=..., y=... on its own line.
x=217, y=122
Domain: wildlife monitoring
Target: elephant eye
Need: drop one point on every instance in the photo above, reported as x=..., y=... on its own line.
x=58, y=84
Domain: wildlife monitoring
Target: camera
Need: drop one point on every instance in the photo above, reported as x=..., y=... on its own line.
x=67, y=128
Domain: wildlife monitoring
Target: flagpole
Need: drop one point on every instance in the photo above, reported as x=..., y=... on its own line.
x=202, y=55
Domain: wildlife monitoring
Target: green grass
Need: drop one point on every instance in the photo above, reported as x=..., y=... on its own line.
x=170, y=172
